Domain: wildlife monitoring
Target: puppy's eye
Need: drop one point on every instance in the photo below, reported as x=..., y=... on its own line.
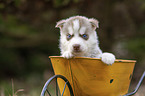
x=84, y=36
x=69, y=36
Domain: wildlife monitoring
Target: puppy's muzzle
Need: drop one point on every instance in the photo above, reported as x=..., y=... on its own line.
x=76, y=48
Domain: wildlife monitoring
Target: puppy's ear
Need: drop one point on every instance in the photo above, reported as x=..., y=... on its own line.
x=60, y=24
x=95, y=23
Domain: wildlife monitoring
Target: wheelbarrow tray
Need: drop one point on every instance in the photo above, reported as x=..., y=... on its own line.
x=91, y=77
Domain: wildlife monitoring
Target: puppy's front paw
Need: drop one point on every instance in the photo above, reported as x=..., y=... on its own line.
x=108, y=58
x=67, y=55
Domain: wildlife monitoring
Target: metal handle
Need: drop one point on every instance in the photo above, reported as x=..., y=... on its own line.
x=137, y=87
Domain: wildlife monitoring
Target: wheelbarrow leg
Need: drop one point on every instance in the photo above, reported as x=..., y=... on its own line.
x=137, y=87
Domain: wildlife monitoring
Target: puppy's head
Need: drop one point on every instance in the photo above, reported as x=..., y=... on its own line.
x=77, y=35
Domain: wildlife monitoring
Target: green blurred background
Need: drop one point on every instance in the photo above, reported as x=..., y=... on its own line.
x=28, y=36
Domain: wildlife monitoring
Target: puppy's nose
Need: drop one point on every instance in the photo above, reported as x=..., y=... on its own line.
x=76, y=47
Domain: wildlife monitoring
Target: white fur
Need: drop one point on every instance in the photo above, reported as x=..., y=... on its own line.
x=77, y=26
x=70, y=30
x=82, y=30
x=108, y=58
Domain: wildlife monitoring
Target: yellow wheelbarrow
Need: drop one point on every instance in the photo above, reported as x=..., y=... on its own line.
x=81, y=76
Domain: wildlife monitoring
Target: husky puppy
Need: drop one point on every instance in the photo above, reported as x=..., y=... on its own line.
x=78, y=38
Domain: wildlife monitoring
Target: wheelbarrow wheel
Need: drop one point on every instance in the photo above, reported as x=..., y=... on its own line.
x=44, y=90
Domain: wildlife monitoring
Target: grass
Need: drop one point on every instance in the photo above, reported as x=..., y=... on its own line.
x=19, y=88
x=17, y=91
x=25, y=86
x=10, y=91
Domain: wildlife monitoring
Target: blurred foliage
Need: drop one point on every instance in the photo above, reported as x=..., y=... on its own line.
x=59, y=3
x=28, y=35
